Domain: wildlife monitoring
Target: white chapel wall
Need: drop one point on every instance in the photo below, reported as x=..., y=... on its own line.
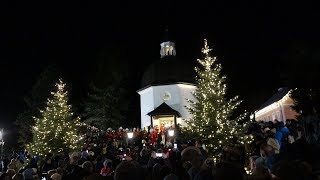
x=153, y=96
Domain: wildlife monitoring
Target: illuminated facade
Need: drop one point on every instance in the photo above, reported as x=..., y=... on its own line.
x=278, y=107
x=166, y=85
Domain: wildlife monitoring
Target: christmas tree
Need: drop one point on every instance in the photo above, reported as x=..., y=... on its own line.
x=55, y=130
x=211, y=110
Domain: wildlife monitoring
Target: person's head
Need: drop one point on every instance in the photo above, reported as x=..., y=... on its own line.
x=266, y=150
x=171, y=177
x=128, y=170
x=107, y=163
x=28, y=173
x=143, y=153
x=261, y=163
x=48, y=160
x=99, y=159
x=232, y=153
x=61, y=164
x=193, y=155
x=198, y=143
x=56, y=176
x=84, y=155
x=74, y=157
x=208, y=164
x=51, y=172
x=87, y=166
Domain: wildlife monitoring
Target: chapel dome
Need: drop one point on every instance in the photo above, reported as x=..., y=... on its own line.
x=168, y=70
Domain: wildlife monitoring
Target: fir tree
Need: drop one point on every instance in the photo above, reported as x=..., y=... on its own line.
x=307, y=104
x=212, y=112
x=106, y=107
x=55, y=130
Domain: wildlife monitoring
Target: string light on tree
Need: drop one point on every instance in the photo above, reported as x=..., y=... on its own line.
x=56, y=129
x=212, y=111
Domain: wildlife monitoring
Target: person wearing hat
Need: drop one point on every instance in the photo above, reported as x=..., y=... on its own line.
x=260, y=170
x=273, y=142
x=266, y=129
x=107, y=168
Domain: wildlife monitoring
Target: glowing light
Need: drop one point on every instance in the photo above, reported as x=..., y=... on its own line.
x=130, y=135
x=55, y=124
x=211, y=110
x=171, y=132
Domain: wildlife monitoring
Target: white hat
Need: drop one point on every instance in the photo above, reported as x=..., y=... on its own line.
x=91, y=153
x=109, y=129
x=120, y=127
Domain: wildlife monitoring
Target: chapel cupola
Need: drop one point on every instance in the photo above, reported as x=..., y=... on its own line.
x=167, y=47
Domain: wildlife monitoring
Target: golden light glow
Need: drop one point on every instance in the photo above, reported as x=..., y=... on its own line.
x=212, y=111
x=56, y=129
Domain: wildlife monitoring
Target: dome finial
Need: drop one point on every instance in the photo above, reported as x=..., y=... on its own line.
x=167, y=47
x=166, y=34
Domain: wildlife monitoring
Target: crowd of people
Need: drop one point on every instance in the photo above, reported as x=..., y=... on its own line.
x=278, y=151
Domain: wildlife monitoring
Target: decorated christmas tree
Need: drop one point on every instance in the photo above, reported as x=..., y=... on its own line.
x=56, y=129
x=213, y=120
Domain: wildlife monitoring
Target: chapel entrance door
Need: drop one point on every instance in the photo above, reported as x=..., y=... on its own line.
x=163, y=121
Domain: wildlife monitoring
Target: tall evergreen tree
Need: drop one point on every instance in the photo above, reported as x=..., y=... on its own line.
x=55, y=129
x=107, y=103
x=106, y=107
x=212, y=111
x=307, y=104
x=306, y=101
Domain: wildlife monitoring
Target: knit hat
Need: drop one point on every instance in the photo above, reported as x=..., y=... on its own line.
x=274, y=144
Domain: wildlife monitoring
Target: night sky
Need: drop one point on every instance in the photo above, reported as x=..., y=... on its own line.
x=251, y=40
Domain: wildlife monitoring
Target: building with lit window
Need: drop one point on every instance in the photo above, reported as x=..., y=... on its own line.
x=165, y=86
x=277, y=107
